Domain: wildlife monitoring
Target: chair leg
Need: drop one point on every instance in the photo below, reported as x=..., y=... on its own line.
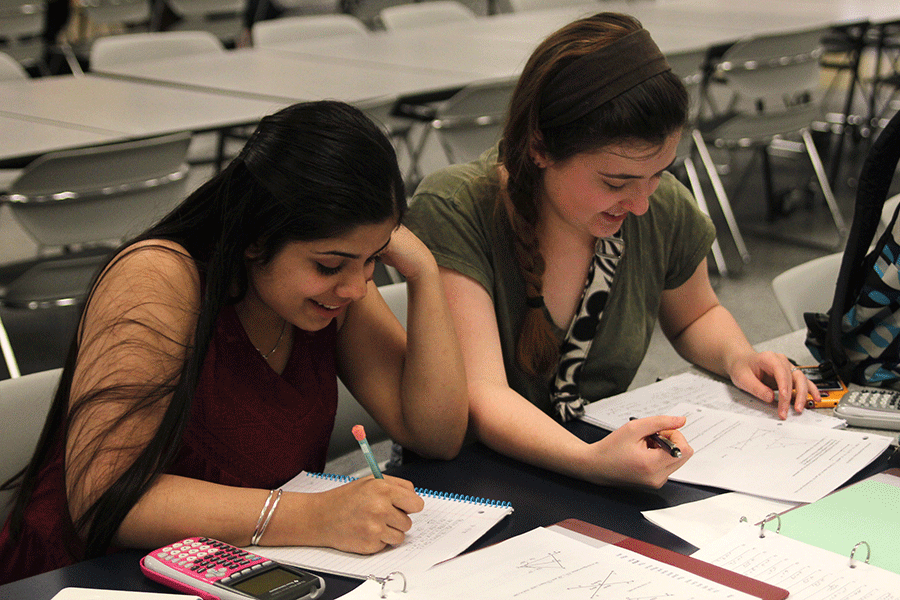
x=819, y=168
x=719, y=189
x=700, y=197
x=414, y=173
x=774, y=207
x=404, y=139
x=853, y=82
x=448, y=151
x=9, y=358
x=221, y=141
x=71, y=60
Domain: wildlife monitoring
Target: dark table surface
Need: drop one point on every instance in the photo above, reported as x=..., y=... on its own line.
x=539, y=498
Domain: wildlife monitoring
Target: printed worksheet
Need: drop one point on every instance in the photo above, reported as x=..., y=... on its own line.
x=782, y=460
x=543, y=564
x=661, y=397
x=807, y=572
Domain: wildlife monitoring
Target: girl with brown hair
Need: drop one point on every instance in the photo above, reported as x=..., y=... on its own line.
x=560, y=249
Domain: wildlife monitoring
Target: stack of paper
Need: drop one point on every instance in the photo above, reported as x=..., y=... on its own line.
x=807, y=572
x=739, y=442
x=661, y=398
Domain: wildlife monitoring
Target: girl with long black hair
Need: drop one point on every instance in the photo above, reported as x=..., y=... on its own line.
x=203, y=373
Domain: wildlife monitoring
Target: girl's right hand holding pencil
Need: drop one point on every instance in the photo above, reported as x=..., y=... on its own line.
x=369, y=514
x=363, y=516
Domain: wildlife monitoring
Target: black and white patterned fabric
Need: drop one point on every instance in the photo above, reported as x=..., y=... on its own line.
x=566, y=402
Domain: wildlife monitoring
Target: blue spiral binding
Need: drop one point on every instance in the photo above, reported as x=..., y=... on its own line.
x=425, y=492
x=333, y=477
x=462, y=498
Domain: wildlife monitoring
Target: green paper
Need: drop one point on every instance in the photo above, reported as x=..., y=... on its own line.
x=867, y=511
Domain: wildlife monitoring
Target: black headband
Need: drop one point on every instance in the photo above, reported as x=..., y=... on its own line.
x=596, y=78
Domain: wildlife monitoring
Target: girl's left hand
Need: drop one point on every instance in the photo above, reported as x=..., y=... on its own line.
x=408, y=254
x=759, y=372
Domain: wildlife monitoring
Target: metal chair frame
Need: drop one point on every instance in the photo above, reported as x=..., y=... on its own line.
x=776, y=78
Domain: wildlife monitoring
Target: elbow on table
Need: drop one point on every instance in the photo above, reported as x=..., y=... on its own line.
x=441, y=441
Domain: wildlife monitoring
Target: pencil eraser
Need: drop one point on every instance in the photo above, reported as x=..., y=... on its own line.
x=359, y=433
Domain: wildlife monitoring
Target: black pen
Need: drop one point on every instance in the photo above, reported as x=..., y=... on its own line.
x=664, y=443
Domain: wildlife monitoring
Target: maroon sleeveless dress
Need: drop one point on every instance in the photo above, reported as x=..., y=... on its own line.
x=249, y=427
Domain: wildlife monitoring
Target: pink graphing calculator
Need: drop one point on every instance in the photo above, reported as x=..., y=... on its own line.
x=215, y=570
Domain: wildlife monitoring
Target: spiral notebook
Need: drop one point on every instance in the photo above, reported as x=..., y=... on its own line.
x=447, y=525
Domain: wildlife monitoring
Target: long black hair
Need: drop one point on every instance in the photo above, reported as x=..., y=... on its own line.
x=310, y=171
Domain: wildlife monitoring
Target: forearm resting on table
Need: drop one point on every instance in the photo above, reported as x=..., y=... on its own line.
x=178, y=507
x=511, y=425
x=362, y=516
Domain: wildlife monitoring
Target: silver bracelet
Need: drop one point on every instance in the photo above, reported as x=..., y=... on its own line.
x=262, y=515
x=267, y=512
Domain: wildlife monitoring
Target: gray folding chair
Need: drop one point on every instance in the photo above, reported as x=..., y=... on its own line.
x=79, y=204
x=109, y=15
x=118, y=53
x=24, y=403
x=472, y=120
x=466, y=124
x=21, y=26
x=222, y=18
x=275, y=32
x=689, y=66
x=11, y=69
x=422, y=14
x=775, y=82
x=808, y=287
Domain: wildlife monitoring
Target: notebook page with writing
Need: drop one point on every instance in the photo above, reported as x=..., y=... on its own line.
x=444, y=528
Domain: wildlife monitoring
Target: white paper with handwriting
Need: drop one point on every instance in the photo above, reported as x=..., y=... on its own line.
x=782, y=460
x=659, y=399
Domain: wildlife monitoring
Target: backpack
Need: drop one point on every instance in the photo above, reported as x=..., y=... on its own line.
x=860, y=334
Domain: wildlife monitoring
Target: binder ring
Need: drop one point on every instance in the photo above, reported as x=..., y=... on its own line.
x=769, y=517
x=853, y=552
x=389, y=577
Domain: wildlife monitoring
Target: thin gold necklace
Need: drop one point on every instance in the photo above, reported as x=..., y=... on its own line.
x=277, y=342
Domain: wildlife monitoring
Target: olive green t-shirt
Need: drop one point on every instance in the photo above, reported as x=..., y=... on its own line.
x=454, y=212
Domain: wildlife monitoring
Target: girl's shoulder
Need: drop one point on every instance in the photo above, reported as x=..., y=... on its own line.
x=465, y=184
x=156, y=257
x=151, y=271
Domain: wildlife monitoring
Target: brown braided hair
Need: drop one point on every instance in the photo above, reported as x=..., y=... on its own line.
x=649, y=112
